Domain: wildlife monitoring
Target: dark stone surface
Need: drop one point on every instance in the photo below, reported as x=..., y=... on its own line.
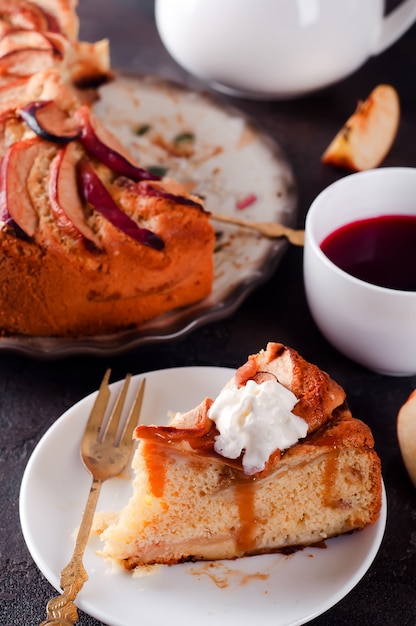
x=34, y=394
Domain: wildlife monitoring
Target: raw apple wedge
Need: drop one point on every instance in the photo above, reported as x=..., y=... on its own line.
x=15, y=203
x=67, y=208
x=367, y=136
x=406, y=434
x=100, y=199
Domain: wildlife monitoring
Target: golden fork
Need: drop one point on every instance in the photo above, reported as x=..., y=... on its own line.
x=273, y=230
x=105, y=454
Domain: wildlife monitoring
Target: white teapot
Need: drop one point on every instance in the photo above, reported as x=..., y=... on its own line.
x=279, y=49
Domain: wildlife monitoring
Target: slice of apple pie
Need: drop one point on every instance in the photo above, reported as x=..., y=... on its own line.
x=275, y=461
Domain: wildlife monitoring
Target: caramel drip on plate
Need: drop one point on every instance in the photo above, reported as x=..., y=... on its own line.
x=156, y=462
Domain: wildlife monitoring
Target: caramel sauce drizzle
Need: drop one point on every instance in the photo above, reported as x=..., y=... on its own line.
x=244, y=496
x=329, y=479
x=243, y=486
x=156, y=465
x=223, y=576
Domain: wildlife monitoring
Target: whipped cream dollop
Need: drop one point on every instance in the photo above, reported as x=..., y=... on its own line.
x=255, y=420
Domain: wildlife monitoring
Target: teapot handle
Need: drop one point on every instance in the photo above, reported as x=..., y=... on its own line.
x=395, y=24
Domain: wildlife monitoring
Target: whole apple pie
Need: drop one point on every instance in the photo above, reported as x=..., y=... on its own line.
x=90, y=243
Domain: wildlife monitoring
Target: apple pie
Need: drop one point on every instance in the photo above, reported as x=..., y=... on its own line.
x=90, y=242
x=275, y=461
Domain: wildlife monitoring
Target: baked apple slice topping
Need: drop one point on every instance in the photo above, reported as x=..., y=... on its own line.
x=25, y=62
x=96, y=194
x=16, y=207
x=12, y=94
x=147, y=189
x=22, y=39
x=52, y=124
x=52, y=22
x=23, y=53
x=19, y=15
x=67, y=208
x=49, y=122
x=104, y=153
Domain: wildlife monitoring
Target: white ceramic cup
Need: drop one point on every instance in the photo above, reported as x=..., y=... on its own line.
x=277, y=48
x=372, y=325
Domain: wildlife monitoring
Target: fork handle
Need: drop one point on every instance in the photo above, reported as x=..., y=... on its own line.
x=66, y=615
x=61, y=610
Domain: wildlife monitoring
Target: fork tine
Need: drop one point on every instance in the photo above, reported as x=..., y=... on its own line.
x=100, y=405
x=110, y=431
x=133, y=417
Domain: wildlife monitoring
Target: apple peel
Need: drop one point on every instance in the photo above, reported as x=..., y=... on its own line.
x=406, y=434
x=367, y=136
x=66, y=206
x=147, y=189
x=21, y=39
x=30, y=17
x=49, y=122
x=105, y=153
x=100, y=199
x=15, y=204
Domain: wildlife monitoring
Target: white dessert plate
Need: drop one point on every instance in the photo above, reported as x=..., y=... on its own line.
x=268, y=589
x=228, y=161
